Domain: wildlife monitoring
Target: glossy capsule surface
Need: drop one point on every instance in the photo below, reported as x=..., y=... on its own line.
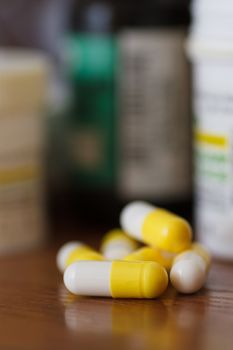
x=152, y=254
x=189, y=270
x=116, y=279
x=156, y=227
x=75, y=251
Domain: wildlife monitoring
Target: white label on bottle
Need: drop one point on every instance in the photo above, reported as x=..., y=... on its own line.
x=213, y=82
x=154, y=115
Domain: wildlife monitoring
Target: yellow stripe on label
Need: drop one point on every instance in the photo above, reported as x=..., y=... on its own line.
x=211, y=139
x=19, y=174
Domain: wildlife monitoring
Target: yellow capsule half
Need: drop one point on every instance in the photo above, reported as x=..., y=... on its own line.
x=83, y=253
x=138, y=279
x=74, y=251
x=152, y=254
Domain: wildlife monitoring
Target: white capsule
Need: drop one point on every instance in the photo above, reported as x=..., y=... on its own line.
x=188, y=273
x=64, y=252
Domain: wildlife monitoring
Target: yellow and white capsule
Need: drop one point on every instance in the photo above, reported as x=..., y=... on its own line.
x=116, y=279
x=152, y=254
x=75, y=251
x=156, y=227
x=189, y=270
x=116, y=245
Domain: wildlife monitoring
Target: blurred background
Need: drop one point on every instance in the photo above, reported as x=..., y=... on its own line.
x=95, y=111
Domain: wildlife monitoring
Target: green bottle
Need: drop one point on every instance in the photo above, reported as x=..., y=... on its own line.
x=91, y=141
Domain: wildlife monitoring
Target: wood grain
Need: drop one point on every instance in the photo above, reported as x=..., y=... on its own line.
x=36, y=312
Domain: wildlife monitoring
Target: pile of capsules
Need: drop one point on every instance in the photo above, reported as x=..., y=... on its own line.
x=125, y=270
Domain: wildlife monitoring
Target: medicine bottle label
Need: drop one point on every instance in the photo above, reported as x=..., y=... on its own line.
x=213, y=138
x=154, y=118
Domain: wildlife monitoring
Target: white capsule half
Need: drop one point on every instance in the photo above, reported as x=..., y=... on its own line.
x=116, y=245
x=89, y=278
x=133, y=216
x=64, y=252
x=116, y=251
x=188, y=273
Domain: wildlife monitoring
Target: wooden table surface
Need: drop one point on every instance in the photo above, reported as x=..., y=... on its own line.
x=36, y=312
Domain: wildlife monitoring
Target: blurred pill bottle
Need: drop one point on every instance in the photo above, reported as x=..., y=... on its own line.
x=41, y=25
x=210, y=48
x=154, y=123
x=129, y=123
x=23, y=76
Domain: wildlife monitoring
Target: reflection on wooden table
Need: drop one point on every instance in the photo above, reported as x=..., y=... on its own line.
x=36, y=312
x=149, y=323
